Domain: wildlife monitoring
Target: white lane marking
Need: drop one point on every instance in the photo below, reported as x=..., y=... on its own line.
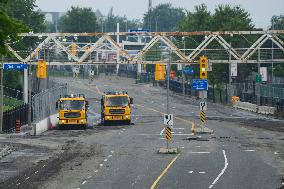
x=18, y=184
x=84, y=182
x=276, y=153
x=179, y=128
x=197, y=146
x=179, y=132
x=109, y=156
x=202, y=172
x=43, y=166
x=78, y=188
x=96, y=171
x=249, y=150
x=36, y=172
x=249, y=130
x=190, y=172
x=182, y=147
x=101, y=165
x=105, y=159
x=27, y=178
x=162, y=138
x=222, y=172
x=112, y=152
x=89, y=177
x=161, y=133
x=199, y=152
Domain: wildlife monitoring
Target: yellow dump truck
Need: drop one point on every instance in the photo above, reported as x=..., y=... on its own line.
x=116, y=107
x=72, y=111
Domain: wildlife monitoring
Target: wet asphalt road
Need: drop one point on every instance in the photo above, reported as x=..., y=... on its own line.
x=235, y=156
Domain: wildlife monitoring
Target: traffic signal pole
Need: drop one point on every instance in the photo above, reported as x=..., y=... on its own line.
x=1, y=96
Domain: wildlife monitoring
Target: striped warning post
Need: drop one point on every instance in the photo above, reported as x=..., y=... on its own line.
x=202, y=116
x=168, y=133
x=18, y=126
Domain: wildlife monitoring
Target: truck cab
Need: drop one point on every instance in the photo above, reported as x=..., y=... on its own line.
x=116, y=107
x=72, y=111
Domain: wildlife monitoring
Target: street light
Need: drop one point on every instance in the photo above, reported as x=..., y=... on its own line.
x=182, y=69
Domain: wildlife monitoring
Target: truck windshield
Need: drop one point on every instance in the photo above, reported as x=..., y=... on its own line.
x=117, y=101
x=72, y=104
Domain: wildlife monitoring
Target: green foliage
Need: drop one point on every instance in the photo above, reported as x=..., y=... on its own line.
x=166, y=16
x=199, y=20
x=227, y=18
x=79, y=20
x=26, y=11
x=224, y=18
x=9, y=27
x=12, y=79
x=278, y=22
x=124, y=24
x=279, y=70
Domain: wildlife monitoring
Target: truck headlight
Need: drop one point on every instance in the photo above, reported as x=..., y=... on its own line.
x=126, y=117
x=63, y=121
x=108, y=117
x=82, y=120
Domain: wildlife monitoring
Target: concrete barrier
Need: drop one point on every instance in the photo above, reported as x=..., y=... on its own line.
x=246, y=106
x=44, y=125
x=267, y=110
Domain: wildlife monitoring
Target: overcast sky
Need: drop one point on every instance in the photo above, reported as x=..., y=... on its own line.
x=261, y=10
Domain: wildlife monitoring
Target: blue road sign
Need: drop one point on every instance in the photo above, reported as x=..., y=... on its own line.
x=200, y=84
x=188, y=71
x=139, y=30
x=20, y=66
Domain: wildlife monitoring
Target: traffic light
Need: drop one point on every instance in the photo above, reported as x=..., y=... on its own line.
x=203, y=67
x=159, y=72
x=41, y=69
x=74, y=49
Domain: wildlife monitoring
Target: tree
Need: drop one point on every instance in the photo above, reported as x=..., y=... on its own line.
x=199, y=20
x=27, y=12
x=79, y=20
x=9, y=27
x=224, y=18
x=163, y=17
x=277, y=22
x=124, y=24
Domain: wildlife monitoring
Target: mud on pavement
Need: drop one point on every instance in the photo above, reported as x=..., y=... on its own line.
x=31, y=165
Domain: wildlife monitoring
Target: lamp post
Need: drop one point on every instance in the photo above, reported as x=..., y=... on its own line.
x=182, y=70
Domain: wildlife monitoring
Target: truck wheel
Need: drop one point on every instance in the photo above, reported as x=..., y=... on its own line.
x=84, y=127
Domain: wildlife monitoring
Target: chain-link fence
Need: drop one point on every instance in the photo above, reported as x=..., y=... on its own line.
x=44, y=103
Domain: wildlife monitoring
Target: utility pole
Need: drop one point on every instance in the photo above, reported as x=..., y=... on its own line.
x=1, y=96
x=182, y=70
x=230, y=64
x=168, y=81
x=30, y=92
x=272, y=54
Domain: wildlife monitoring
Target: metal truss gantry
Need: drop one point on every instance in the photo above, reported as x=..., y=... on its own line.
x=253, y=47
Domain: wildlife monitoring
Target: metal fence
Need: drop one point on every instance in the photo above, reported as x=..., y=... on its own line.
x=44, y=103
x=263, y=95
x=10, y=117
